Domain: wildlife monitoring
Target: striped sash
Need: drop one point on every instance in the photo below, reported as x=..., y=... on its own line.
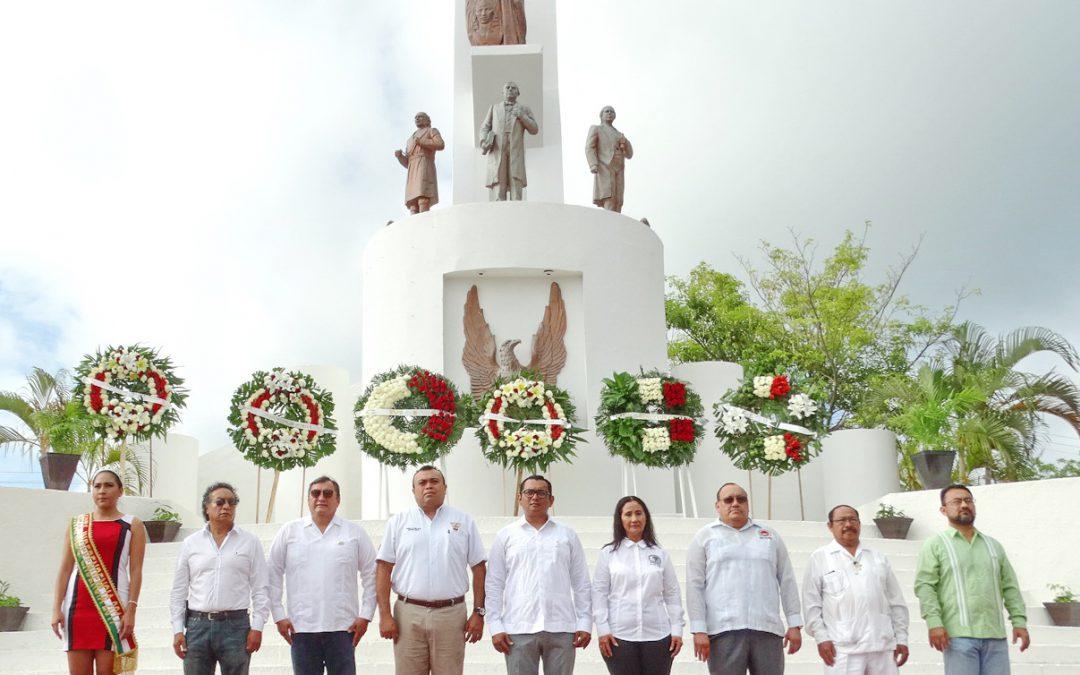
x=102, y=590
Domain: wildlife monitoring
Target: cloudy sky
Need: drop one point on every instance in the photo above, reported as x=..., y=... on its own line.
x=202, y=176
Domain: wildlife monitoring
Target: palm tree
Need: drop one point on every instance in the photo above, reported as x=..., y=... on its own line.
x=45, y=394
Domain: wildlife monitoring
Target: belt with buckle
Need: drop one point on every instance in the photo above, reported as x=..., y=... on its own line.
x=218, y=616
x=433, y=604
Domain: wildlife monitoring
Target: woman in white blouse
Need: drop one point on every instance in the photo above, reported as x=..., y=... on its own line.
x=636, y=599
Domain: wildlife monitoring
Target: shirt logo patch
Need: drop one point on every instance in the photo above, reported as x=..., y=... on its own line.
x=765, y=534
x=654, y=560
x=455, y=526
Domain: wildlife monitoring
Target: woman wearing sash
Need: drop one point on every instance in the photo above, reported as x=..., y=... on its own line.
x=99, y=582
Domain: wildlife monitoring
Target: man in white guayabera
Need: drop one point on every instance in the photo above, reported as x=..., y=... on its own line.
x=737, y=575
x=539, y=595
x=855, y=609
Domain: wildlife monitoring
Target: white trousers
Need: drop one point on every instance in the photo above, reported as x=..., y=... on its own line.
x=869, y=663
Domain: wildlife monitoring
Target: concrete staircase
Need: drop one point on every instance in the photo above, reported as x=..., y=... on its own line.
x=1055, y=650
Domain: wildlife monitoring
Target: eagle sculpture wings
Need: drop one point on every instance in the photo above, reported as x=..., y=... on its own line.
x=485, y=361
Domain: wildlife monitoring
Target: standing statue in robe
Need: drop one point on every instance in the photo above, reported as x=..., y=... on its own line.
x=607, y=149
x=495, y=22
x=502, y=139
x=422, y=185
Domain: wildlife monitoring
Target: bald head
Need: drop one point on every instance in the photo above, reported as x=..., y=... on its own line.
x=732, y=505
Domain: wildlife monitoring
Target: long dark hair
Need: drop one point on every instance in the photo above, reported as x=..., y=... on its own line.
x=619, y=532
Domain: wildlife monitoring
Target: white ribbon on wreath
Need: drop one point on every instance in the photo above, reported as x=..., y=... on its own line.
x=293, y=424
x=761, y=419
x=401, y=412
x=126, y=393
x=503, y=418
x=653, y=417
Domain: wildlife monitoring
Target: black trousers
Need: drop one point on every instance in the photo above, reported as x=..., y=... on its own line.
x=640, y=658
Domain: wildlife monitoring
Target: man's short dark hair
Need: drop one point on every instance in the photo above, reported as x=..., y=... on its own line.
x=325, y=479
x=428, y=467
x=842, y=506
x=954, y=486
x=721, y=489
x=220, y=485
x=535, y=476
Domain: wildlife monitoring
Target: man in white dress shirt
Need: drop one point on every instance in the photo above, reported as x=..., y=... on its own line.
x=539, y=597
x=738, y=574
x=318, y=557
x=220, y=572
x=426, y=555
x=854, y=607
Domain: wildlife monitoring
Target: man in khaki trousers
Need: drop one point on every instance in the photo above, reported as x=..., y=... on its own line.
x=426, y=555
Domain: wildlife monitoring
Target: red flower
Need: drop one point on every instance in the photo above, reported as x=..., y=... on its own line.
x=674, y=394
x=681, y=430
x=780, y=387
x=792, y=446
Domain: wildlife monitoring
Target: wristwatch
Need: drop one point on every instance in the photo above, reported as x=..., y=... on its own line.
x=480, y=610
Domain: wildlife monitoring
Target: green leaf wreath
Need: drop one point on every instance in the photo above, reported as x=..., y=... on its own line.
x=295, y=397
x=655, y=443
x=404, y=441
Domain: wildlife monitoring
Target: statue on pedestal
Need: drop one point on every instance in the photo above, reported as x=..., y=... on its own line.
x=495, y=22
x=422, y=185
x=502, y=139
x=607, y=149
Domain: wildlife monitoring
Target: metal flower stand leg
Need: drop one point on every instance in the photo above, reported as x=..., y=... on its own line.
x=273, y=495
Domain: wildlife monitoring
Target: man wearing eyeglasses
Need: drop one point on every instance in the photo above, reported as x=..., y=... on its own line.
x=220, y=572
x=426, y=555
x=962, y=580
x=318, y=557
x=539, y=597
x=738, y=574
x=854, y=606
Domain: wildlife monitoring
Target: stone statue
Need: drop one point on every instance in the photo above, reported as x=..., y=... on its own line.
x=422, y=185
x=484, y=362
x=495, y=22
x=606, y=149
x=502, y=139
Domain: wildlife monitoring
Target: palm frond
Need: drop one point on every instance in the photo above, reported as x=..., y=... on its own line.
x=17, y=406
x=1023, y=342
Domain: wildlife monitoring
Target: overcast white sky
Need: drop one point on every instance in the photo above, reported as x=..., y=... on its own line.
x=226, y=162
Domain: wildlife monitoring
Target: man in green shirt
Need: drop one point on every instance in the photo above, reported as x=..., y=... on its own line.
x=962, y=580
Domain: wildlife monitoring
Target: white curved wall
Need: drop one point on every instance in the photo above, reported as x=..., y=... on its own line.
x=416, y=272
x=857, y=466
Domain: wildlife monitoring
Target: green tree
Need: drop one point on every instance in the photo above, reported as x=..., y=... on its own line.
x=45, y=396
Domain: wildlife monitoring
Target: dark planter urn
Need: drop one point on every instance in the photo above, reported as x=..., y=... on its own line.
x=11, y=618
x=934, y=468
x=893, y=528
x=1064, y=613
x=161, y=531
x=57, y=469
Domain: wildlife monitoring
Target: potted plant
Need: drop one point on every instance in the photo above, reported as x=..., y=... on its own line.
x=891, y=522
x=1065, y=608
x=163, y=526
x=12, y=613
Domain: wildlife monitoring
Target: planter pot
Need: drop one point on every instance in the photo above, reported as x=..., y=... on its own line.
x=11, y=618
x=161, y=530
x=934, y=468
x=1064, y=613
x=893, y=528
x=58, y=469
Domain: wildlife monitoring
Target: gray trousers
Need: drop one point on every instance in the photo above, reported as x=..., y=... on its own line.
x=555, y=649
x=736, y=651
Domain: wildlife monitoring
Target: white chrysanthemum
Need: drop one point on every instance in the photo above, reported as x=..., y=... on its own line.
x=655, y=439
x=801, y=405
x=774, y=447
x=763, y=386
x=650, y=390
x=734, y=421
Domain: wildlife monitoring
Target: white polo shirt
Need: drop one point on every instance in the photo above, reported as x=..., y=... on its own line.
x=320, y=570
x=209, y=578
x=738, y=579
x=636, y=593
x=538, y=580
x=854, y=600
x=431, y=556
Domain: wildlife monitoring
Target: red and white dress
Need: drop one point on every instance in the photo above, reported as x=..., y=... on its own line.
x=84, y=627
